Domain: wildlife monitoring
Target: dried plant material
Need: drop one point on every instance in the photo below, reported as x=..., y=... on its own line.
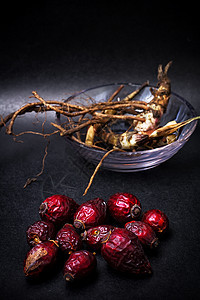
x=133, y=94
x=97, y=168
x=89, y=140
x=92, y=124
x=171, y=127
x=30, y=180
x=112, y=97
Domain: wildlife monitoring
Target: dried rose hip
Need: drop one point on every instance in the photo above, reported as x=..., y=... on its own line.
x=96, y=235
x=124, y=252
x=58, y=209
x=79, y=264
x=68, y=239
x=144, y=232
x=91, y=213
x=124, y=207
x=40, y=258
x=40, y=231
x=156, y=219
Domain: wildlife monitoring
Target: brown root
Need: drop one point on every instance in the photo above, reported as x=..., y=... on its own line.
x=97, y=168
x=91, y=124
x=30, y=180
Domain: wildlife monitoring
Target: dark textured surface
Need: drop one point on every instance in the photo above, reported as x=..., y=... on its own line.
x=57, y=48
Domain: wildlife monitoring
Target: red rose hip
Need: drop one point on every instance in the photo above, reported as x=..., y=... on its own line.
x=58, y=209
x=40, y=231
x=156, y=219
x=144, y=232
x=68, y=239
x=96, y=235
x=40, y=258
x=124, y=207
x=124, y=252
x=79, y=264
x=91, y=213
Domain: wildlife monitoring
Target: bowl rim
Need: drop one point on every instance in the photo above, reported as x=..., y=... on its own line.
x=173, y=145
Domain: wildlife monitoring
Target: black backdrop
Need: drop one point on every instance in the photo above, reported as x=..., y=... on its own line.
x=56, y=48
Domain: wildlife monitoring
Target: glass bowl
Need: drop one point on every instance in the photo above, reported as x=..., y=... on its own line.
x=178, y=109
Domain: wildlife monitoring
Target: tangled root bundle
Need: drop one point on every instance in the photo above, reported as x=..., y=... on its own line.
x=91, y=124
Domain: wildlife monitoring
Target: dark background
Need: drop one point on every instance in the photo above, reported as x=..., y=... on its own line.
x=59, y=47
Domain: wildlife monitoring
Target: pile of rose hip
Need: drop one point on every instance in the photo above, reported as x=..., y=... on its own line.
x=122, y=248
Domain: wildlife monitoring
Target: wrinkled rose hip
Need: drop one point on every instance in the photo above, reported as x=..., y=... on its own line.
x=40, y=258
x=96, y=235
x=156, y=219
x=40, y=231
x=91, y=213
x=79, y=264
x=144, y=232
x=68, y=239
x=124, y=252
x=124, y=207
x=58, y=209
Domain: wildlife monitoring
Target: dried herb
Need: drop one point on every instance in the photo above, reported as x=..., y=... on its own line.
x=97, y=120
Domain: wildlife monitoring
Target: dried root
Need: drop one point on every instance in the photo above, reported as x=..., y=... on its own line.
x=97, y=168
x=30, y=180
x=92, y=124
